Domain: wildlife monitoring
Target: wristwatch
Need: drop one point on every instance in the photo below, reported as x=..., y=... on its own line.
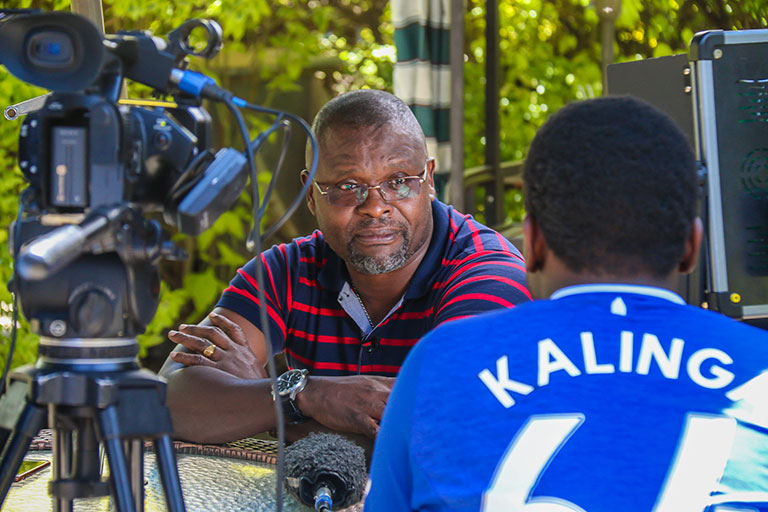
x=290, y=384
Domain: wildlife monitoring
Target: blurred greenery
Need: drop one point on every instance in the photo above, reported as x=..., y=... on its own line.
x=550, y=55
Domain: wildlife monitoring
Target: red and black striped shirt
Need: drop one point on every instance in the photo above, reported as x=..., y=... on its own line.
x=468, y=269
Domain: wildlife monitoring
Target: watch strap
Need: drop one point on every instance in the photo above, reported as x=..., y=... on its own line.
x=291, y=411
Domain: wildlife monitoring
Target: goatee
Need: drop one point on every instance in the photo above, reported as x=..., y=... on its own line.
x=374, y=265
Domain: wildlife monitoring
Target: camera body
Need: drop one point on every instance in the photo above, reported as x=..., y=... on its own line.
x=81, y=151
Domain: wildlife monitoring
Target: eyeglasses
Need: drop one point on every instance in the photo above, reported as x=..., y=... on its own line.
x=353, y=194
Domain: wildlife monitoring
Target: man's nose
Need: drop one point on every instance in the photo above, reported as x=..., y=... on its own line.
x=374, y=204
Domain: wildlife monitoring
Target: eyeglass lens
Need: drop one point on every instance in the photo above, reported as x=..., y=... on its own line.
x=391, y=190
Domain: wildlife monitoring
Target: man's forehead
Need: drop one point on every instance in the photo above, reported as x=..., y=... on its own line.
x=347, y=140
x=345, y=149
x=390, y=139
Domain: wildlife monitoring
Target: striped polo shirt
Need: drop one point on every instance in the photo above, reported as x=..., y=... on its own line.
x=318, y=321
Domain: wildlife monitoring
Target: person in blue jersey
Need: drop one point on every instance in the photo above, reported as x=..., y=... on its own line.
x=347, y=303
x=613, y=394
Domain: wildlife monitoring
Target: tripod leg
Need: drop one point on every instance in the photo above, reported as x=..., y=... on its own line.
x=76, y=465
x=119, y=478
x=169, y=473
x=136, y=458
x=62, y=459
x=30, y=419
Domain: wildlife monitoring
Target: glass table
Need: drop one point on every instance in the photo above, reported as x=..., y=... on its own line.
x=209, y=482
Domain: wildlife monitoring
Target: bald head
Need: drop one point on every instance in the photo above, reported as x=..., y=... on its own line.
x=365, y=110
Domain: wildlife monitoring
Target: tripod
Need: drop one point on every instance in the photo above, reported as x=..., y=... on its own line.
x=90, y=402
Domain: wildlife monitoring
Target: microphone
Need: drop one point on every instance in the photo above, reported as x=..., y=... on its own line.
x=323, y=470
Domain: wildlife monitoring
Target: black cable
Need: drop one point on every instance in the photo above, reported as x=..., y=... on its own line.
x=15, y=307
x=312, y=168
x=255, y=243
x=278, y=167
x=189, y=178
x=255, y=146
x=360, y=356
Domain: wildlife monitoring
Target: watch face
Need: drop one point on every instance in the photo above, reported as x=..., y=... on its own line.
x=288, y=381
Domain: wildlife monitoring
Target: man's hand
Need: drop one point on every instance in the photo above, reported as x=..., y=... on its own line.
x=350, y=404
x=221, y=345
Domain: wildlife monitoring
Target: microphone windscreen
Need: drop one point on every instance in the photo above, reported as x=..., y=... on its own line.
x=326, y=458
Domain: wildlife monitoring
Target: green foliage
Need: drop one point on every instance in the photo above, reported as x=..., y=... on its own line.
x=11, y=91
x=172, y=305
x=656, y=28
x=550, y=55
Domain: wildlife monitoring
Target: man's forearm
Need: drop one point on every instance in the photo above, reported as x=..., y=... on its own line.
x=211, y=406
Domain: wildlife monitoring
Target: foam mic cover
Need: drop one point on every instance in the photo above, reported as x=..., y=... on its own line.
x=326, y=460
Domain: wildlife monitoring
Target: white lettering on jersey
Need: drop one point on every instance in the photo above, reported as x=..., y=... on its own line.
x=501, y=384
x=591, y=366
x=722, y=377
x=625, y=356
x=651, y=349
x=552, y=359
x=524, y=462
x=697, y=464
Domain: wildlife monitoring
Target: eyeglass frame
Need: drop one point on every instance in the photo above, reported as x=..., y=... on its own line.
x=421, y=177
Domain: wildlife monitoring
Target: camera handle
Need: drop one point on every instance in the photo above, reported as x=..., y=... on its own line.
x=118, y=409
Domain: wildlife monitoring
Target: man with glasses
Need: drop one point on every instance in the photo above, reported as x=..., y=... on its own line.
x=345, y=304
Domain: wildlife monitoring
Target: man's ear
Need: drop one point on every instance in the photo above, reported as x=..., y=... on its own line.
x=534, y=245
x=431, y=165
x=692, y=246
x=310, y=191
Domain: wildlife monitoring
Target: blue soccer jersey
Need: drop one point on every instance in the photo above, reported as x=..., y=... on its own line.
x=605, y=398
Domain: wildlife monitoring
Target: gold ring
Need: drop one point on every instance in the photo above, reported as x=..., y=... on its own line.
x=209, y=350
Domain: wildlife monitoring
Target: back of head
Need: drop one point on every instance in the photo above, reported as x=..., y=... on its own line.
x=365, y=109
x=611, y=183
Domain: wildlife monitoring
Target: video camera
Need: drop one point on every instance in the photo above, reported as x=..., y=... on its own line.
x=96, y=167
x=86, y=241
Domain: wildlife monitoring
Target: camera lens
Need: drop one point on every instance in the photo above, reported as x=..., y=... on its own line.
x=51, y=49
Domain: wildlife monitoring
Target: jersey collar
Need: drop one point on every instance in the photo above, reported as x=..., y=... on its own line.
x=650, y=291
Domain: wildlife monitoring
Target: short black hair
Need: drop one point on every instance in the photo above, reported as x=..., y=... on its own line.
x=365, y=108
x=611, y=183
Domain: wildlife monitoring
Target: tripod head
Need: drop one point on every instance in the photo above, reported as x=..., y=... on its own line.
x=90, y=289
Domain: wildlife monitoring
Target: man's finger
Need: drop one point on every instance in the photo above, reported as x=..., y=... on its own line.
x=230, y=328
x=370, y=428
x=193, y=343
x=191, y=359
x=377, y=409
x=208, y=332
